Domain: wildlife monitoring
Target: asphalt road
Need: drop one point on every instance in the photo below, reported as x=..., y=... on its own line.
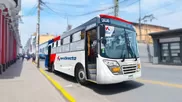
x=159, y=83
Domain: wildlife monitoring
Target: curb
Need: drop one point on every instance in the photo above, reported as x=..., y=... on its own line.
x=58, y=86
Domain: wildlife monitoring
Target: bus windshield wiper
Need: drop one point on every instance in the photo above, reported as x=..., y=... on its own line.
x=129, y=47
x=131, y=52
x=123, y=58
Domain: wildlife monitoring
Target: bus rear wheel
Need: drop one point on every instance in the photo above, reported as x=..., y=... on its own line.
x=81, y=76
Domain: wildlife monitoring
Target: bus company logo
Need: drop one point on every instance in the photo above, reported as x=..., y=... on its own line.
x=66, y=58
x=109, y=30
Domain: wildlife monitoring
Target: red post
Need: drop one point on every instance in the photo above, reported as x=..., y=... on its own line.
x=0, y=36
x=9, y=45
x=3, y=39
x=5, y=53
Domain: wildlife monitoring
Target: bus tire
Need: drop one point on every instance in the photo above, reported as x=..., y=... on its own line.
x=49, y=68
x=52, y=68
x=81, y=76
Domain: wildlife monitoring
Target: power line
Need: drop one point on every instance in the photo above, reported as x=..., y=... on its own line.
x=88, y=13
x=158, y=8
x=170, y=13
x=57, y=13
x=65, y=4
x=32, y=10
x=111, y=7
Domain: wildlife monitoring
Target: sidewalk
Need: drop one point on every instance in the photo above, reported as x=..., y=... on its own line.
x=22, y=82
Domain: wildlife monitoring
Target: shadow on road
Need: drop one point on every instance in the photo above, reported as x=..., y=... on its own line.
x=13, y=70
x=65, y=76
x=105, y=89
x=114, y=88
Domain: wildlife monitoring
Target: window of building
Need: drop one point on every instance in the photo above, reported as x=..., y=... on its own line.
x=171, y=53
x=175, y=52
x=165, y=53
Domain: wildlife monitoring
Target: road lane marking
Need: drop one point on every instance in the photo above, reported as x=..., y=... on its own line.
x=160, y=83
x=58, y=86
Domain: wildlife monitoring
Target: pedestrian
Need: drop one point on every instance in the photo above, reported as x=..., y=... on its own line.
x=23, y=56
x=33, y=57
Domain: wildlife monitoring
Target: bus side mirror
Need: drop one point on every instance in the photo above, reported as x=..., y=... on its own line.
x=102, y=31
x=103, y=41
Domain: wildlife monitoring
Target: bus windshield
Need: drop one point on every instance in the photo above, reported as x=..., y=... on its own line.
x=119, y=43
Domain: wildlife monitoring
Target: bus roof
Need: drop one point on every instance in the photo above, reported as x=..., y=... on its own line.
x=93, y=20
x=54, y=39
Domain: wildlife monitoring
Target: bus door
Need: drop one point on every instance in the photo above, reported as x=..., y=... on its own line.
x=49, y=56
x=91, y=53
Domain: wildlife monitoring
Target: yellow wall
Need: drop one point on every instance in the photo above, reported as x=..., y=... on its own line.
x=45, y=38
x=145, y=30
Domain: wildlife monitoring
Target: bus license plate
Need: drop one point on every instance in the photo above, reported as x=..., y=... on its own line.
x=130, y=76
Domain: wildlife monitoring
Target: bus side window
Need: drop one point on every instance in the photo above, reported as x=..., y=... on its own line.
x=88, y=42
x=71, y=38
x=52, y=44
x=61, y=41
x=56, y=43
x=82, y=34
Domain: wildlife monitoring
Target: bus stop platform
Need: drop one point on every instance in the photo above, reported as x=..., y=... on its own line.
x=22, y=82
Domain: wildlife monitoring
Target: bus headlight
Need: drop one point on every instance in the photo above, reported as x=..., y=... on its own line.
x=113, y=66
x=138, y=67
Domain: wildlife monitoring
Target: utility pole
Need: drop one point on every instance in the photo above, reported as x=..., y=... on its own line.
x=116, y=8
x=38, y=33
x=145, y=19
x=140, y=33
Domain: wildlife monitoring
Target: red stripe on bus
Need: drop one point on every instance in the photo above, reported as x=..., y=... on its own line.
x=57, y=38
x=52, y=59
x=115, y=18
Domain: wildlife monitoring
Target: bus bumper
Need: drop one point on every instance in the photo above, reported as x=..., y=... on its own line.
x=105, y=76
x=112, y=79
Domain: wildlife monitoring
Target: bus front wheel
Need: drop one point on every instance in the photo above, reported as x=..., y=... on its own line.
x=81, y=76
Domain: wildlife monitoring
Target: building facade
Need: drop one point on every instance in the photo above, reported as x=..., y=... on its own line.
x=30, y=47
x=9, y=33
x=168, y=47
x=145, y=30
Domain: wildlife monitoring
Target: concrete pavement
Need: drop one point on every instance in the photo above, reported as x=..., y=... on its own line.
x=159, y=83
x=22, y=82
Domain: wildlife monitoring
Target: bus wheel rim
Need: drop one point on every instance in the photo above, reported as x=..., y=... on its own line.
x=81, y=75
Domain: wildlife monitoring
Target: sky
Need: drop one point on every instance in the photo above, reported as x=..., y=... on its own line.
x=168, y=13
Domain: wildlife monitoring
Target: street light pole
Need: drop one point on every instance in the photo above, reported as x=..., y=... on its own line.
x=116, y=7
x=140, y=33
x=38, y=33
x=145, y=19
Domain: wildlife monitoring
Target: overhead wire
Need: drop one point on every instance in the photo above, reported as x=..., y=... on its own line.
x=45, y=5
x=110, y=7
x=32, y=10
x=159, y=8
x=65, y=4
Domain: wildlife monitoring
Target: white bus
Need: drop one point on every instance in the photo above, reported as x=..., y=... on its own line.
x=103, y=50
